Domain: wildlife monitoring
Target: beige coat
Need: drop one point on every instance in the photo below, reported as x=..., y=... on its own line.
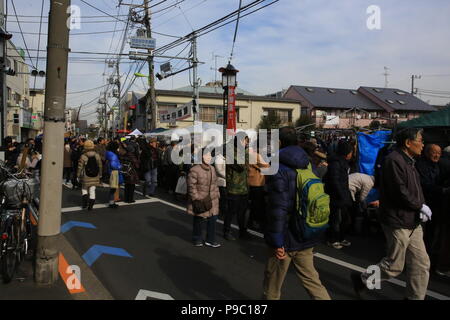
x=85, y=180
x=255, y=177
x=201, y=181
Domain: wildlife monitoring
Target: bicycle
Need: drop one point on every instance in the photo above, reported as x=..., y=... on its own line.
x=15, y=221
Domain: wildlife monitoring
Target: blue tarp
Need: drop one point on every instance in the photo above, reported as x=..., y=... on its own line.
x=369, y=145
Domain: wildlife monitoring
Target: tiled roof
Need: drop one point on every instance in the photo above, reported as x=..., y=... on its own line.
x=398, y=99
x=336, y=98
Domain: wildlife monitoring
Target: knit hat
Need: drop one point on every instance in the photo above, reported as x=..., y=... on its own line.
x=88, y=145
x=344, y=148
x=153, y=140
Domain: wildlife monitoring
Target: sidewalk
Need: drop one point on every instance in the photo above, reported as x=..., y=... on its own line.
x=23, y=287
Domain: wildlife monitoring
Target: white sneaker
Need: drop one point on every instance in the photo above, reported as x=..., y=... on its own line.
x=346, y=243
x=336, y=245
x=213, y=245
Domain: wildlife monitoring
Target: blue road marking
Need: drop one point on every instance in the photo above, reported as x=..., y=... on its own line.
x=69, y=225
x=96, y=251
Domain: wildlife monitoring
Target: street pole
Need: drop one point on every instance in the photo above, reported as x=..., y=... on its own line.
x=151, y=94
x=195, y=82
x=52, y=162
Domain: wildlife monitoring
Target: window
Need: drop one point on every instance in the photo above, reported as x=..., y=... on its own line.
x=400, y=93
x=285, y=115
x=377, y=90
x=16, y=67
x=331, y=91
x=9, y=94
x=389, y=101
x=401, y=102
x=354, y=92
x=310, y=89
x=208, y=114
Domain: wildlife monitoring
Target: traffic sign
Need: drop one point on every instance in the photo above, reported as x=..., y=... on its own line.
x=143, y=43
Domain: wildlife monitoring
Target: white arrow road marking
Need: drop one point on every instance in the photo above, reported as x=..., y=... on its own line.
x=144, y=294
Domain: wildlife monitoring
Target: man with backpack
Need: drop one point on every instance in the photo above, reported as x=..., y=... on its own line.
x=89, y=173
x=289, y=233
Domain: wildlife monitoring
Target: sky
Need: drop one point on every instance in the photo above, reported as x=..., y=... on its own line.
x=325, y=43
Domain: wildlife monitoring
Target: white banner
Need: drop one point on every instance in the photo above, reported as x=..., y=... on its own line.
x=180, y=113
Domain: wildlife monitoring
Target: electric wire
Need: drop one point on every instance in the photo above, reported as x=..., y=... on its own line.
x=20, y=28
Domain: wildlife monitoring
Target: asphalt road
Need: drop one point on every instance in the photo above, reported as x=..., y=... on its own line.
x=151, y=248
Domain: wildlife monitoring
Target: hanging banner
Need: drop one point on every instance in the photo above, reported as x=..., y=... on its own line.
x=231, y=117
x=180, y=113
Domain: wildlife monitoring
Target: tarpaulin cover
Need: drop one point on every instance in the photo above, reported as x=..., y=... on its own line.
x=369, y=145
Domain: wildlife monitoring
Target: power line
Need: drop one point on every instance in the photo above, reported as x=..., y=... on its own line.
x=90, y=5
x=20, y=28
x=235, y=32
x=72, y=34
x=75, y=92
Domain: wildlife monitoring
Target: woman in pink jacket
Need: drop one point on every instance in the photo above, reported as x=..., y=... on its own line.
x=203, y=201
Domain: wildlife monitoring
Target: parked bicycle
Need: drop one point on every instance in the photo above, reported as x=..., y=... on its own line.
x=17, y=195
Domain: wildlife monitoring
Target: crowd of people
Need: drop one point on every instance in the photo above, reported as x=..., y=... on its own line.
x=410, y=192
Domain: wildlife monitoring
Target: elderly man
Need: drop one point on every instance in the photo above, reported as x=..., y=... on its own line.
x=402, y=209
x=434, y=191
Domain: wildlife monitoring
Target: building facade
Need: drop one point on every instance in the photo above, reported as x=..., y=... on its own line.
x=19, y=123
x=250, y=108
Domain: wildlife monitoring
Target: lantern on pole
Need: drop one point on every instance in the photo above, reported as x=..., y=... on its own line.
x=229, y=84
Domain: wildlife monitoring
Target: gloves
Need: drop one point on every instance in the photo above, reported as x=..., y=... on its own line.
x=425, y=213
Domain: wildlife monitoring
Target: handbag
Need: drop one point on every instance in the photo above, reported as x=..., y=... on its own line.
x=181, y=187
x=205, y=204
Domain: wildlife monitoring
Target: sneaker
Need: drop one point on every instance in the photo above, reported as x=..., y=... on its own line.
x=212, y=244
x=114, y=206
x=443, y=274
x=345, y=243
x=336, y=245
x=229, y=237
x=198, y=244
x=358, y=284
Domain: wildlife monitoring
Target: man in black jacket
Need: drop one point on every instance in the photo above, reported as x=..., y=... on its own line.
x=336, y=185
x=402, y=209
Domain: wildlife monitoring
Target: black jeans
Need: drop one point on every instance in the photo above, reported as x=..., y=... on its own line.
x=129, y=192
x=340, y=223
x=237, y=204
x=223, y=202
x=111, y=196
x=210, y=229
x=257, y=206
x=67, y=173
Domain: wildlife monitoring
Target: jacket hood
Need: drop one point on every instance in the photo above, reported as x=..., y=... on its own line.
x=294, y=157
x=89, y=153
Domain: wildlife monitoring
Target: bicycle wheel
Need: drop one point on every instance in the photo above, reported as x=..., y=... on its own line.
x=9, y=258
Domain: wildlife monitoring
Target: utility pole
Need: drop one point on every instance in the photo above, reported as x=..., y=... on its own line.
x=151, y=94
x=52, y=162
x=386, y=75
x=195, y=101
x=118, y=86
x=412, y=82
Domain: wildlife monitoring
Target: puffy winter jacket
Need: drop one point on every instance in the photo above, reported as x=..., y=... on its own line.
x=113, y=161
x=282, y=230
x=336, y=182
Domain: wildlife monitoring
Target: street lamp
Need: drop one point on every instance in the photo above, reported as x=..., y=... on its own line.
x=229, y=85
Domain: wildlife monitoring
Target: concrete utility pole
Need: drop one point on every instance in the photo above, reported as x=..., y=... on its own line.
x=150, y=103
x=52, y=161
x=195, y=82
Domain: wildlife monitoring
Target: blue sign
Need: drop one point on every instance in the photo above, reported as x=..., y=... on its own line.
x=143, y=43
